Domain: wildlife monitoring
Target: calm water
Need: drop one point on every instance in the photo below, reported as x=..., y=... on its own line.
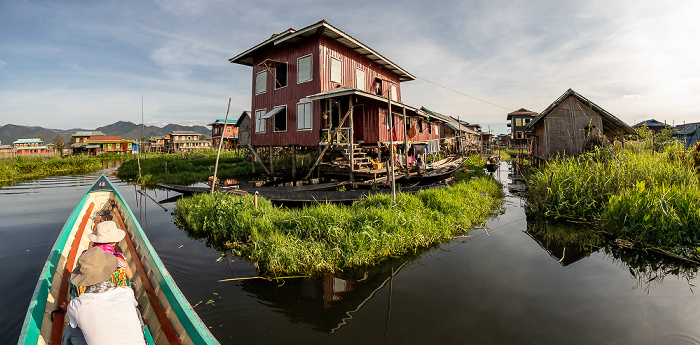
x=505, y=286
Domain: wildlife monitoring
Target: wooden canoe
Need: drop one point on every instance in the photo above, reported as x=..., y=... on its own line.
x=168, y=316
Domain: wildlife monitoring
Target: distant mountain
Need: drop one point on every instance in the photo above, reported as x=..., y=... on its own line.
x=126, y=130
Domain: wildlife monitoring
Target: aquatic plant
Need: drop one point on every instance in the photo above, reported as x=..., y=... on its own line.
x=24, y=168
x=327, y=237
x=650, y=199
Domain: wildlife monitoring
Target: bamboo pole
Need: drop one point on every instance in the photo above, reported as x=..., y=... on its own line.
x=391, y=138
x=255, y=156
x=218, y=152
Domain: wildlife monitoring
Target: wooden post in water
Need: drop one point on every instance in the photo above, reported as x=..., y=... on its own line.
x=391, y=137
x=218, y=152
x=252, y=161
x=294, y=165
x=351, y=140
x=272, y=168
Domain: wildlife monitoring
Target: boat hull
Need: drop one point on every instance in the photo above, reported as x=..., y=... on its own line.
x=166, y=313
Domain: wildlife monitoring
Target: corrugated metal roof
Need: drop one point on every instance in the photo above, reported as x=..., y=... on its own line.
x=27, y=141
x=86, y=133
x=651, y=123
x=221, y=121
x=607, y=117
x=688, y=128
x=291, y=36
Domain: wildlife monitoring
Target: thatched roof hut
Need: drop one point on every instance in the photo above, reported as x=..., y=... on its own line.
x=569, y=124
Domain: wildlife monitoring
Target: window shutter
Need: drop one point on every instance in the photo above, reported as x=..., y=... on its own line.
x=304, y=69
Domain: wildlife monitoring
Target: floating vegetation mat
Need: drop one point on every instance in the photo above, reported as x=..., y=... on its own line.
x=331, y=238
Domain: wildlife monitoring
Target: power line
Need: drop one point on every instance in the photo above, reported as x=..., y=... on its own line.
x=464, y=94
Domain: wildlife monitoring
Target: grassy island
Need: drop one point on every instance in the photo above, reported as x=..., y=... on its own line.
x=647, y=198
x=330, y=238
x=27, y=168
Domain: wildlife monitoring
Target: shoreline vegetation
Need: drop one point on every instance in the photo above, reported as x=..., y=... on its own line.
x=331, y=238
x=28, y=168
x=645, y=196
x=186, y=169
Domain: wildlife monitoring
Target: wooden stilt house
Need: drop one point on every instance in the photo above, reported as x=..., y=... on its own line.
x=569, y=124
x=318, y=86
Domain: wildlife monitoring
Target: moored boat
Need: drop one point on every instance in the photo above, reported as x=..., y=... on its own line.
x=168, y=317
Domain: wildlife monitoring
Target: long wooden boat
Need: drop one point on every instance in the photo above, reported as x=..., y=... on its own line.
x=168, y=316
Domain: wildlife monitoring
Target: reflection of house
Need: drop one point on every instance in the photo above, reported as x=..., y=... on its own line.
x=688, y=133
x=327, y=304
x=228, y=131
x=517, y=121
x=98, y=144
x=319, y=86
x=568, y=124
x=30, y=147
x=78, y=140
x=653, y=125
x=185, y=141
x=563, y=242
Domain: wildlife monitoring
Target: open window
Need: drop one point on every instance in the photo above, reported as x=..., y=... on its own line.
x=280, y=75
x=377, y=86
x=281, y=120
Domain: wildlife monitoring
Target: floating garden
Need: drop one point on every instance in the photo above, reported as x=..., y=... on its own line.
x=331, y=238
x=648, y=198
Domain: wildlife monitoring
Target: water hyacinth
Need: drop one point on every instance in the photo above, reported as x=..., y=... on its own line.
x=650, y=199
x=328, y=237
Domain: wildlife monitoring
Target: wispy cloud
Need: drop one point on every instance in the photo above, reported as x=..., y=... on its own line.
x=85, y=65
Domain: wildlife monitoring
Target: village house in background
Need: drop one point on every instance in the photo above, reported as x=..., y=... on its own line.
x=98, y=144
x=5, y=150
x=517, y=121
x=31, y=147
x=654, y=126
x=243, y=129
x=454, y=133
x=79, y=141
x=227, y=131
x=688, y=133
x=181, y=141
x=569, y=124
x=157, y=144
x=320, y=87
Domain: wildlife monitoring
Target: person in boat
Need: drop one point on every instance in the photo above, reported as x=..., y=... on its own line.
x=103, y=313
x=106, y=237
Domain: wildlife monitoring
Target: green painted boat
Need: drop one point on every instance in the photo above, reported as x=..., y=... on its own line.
x=168, y=317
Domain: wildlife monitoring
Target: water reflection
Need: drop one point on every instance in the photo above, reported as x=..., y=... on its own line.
x=567, y=243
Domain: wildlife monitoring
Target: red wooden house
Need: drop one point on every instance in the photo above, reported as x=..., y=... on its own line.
x=228, y=131
x=319, y=85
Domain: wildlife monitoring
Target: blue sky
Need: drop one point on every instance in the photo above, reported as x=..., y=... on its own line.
x=69, y=64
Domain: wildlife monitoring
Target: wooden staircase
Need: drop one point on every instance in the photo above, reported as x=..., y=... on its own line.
x=359, y=159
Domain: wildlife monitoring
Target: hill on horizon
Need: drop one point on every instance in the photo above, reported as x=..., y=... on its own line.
x=127, y=130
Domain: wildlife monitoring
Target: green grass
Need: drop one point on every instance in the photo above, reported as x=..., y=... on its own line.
x=26, y=168
x=178, y=168
x=331, y=238
x=650, y=199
